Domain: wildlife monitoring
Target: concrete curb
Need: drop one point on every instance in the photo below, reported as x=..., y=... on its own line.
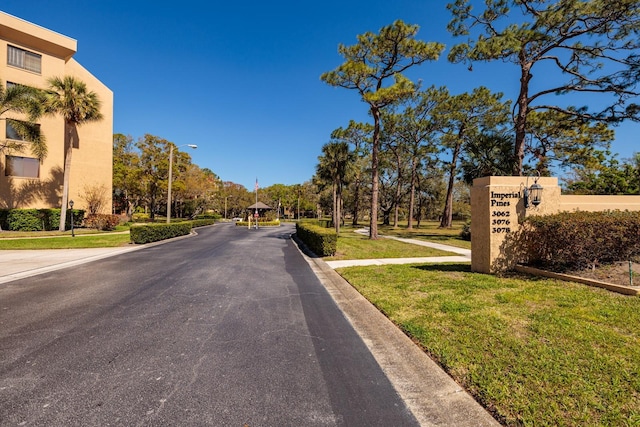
x=621, y=289
x=433, y=397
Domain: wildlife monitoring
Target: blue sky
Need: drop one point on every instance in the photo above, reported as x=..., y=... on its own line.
x=242, y=79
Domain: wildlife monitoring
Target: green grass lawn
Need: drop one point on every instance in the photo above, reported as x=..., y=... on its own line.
x=352, y=245
x=65, y=241
x=429, y=231
x=533, y=351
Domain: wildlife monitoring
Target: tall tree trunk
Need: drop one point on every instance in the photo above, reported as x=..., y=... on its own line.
x=356, y=204
x=398, y=192
x=412, y=196
x=152, y=202
x=66, y=176
x=373, y=221
x=336, y=209
x=521, y=117
x=396, y=209
x=447, y=216
x=129, y=210
x=386, y=214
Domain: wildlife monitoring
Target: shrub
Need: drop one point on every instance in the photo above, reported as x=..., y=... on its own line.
x=148, y=233
x=465, y=234
x=37, y=219
x=141, y=217
x=202, y=222
x=325, y=223
x=209, y=216
x=96, y=197
x=25, y=220
x=104, y=222
x=571, y=240
x=322, y=241
x=4, y=213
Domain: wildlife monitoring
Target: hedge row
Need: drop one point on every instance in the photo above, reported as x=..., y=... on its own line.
x=37, y=219
x=202, y=222
x=571, y=240
x=148, y=233
x=209, y=216
x=322, y=241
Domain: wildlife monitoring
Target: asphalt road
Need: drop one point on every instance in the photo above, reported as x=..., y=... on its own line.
x=228, y=328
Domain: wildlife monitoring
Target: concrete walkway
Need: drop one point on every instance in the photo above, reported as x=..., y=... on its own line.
x=18, y=264
x=464, y=255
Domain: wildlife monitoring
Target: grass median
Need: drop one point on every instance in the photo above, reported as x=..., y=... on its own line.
x=533, y=351
x=429, y=231
x=53, y=241
x=353, y=245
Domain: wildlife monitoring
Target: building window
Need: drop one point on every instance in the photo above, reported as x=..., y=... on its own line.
x=24, y=59
x=21, y=131
x=24, y=167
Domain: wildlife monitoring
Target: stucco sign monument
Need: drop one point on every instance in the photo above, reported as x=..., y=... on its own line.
x=497, y=209
x=499, y=204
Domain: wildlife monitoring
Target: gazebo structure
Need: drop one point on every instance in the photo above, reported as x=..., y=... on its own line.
x=260, y=208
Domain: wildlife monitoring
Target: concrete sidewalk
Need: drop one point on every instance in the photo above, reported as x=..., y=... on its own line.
x=18, y=264
x=464, y=255
x=389, y=261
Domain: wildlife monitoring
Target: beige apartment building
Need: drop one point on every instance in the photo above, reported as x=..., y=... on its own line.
x=29, y=55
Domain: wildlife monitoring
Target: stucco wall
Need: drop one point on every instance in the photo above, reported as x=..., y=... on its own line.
x=497, y=209
x=598, y=203
x=92, y=161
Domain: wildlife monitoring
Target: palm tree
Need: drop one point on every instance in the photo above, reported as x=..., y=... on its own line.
x=24, y=100
x=69, y=97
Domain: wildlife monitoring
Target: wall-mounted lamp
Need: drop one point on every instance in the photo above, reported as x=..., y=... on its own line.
x=533, y=194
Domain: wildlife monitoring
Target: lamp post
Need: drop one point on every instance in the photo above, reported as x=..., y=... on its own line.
x=71, y=206
x=171, y=177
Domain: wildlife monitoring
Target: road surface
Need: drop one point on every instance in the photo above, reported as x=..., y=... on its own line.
x=227, y=328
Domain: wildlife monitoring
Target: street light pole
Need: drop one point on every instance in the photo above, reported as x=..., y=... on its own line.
x=171, y=177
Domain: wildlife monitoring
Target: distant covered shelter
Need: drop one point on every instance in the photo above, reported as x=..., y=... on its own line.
x=260, y=207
